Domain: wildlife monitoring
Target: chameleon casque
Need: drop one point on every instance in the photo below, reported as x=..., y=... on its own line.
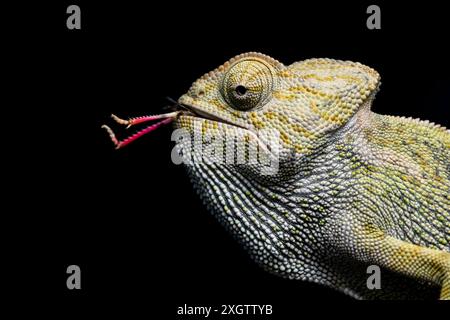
x=353, y=188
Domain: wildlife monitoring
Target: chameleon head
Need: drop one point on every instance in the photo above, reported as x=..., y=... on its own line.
x=300, y=104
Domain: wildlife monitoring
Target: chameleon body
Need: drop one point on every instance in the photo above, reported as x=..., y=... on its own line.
x=352, y=188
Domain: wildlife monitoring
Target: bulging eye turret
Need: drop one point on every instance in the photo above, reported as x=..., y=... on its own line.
x=247, y=84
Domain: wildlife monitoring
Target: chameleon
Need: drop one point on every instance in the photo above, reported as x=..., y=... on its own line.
x=352, y=188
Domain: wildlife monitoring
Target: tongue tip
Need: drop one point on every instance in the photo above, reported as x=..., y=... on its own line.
x=167, y=118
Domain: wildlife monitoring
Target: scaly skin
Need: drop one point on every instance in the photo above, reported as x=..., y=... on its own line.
x=354, y=188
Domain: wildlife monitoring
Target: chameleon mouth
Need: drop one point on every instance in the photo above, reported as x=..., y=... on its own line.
x=192, y=111
x=195, y=112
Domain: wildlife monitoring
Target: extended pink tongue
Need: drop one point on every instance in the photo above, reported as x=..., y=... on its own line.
x=168, y=118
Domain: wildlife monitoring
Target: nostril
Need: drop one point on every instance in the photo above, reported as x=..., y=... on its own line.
x=200, y=93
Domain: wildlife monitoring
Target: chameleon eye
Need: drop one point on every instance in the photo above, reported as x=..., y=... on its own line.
x=240, y=90
x=247, y=84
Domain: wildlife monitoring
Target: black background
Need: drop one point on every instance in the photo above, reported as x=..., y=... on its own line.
x=129, y=218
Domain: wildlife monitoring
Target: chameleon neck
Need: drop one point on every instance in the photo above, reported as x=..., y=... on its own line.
x=280, y=224
x=287, y=226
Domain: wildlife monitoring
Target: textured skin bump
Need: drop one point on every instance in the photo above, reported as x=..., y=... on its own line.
x=354, y=188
